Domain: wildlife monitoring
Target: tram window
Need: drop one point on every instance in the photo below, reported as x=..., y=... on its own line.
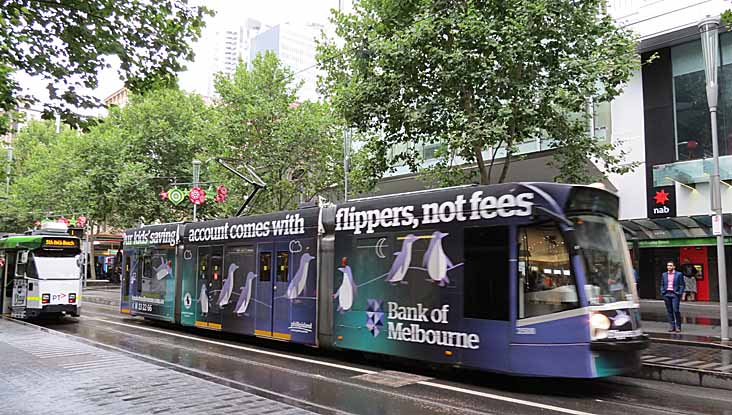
x=21, y=264
x=486, y=273
x=203, y=254
x=546, y=280
x=265, y=262
x=283, y=264
x=217, y=258
x=242, y=256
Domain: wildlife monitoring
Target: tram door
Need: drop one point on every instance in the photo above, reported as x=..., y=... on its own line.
x=6, y=278
x=128, y=270
x=2, y=283
x=273, y=263
x=210, y=282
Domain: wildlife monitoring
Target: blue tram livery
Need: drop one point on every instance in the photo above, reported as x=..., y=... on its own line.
x=521, y=278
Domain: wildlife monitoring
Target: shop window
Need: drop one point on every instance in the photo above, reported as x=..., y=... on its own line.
x=691, y=110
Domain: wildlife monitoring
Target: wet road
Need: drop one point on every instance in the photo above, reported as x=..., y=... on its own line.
x=349, y=383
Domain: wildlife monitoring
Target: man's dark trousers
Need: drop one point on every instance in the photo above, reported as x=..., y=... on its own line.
x=672, y=302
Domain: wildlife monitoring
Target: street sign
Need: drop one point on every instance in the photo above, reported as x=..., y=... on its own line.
x=717, y=224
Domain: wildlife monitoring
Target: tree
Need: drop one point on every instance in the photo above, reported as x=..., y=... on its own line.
x=68, y=42
x=295, y=147
x=139, y=150
x=478, y=77
x=43, y=174
x=114, y=172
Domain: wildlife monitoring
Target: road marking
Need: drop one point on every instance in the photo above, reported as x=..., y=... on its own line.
x=657, y=359
x=725, y=368
x=709, y=365
x=674, y=362
x=648, y=356
x=694, y=363
x=344, y=367
x=505, y=398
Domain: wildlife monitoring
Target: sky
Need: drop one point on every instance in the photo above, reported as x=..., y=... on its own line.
x=268, y=12
x=228, y=12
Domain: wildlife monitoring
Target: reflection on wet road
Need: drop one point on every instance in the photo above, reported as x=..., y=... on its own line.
x=352, y=383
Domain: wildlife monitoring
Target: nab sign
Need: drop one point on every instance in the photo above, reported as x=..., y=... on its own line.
x=662, y=202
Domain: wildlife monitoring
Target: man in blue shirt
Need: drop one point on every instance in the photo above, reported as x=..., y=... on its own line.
x=672, y=288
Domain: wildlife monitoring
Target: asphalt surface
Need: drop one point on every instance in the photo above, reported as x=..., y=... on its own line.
x=310, y=380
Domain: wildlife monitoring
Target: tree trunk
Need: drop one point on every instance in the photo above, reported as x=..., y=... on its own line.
x=504, y=170
x=484, y=178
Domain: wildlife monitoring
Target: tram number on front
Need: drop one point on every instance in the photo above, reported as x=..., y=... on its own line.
x=143, y=307
x=525, y=330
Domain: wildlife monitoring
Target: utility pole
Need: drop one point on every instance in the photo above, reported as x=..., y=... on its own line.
x=196, y=177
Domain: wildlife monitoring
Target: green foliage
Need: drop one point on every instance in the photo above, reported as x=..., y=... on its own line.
x=475, y=76
x=294, y=147
x=114, y=172
x=68, y=43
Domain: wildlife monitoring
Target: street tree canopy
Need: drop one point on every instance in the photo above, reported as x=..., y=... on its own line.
x=293, y=146
x=67, y=42
x=476, y=77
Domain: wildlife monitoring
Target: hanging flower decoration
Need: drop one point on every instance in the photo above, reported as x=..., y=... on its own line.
x=221, y=194
x=37, y=223
x=163, y=195
x=63, y=220
x=197, y=196
x=81, y=221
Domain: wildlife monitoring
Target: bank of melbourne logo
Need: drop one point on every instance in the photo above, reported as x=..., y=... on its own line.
x=374, y=316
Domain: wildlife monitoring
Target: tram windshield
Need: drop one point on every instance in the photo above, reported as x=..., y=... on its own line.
x=44, y=265
x=609, y=276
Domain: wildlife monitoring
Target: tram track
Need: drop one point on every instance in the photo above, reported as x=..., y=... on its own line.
x=364, y=389
x=613, y=396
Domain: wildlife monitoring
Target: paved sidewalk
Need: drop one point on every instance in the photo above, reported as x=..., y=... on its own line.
x=47, y=372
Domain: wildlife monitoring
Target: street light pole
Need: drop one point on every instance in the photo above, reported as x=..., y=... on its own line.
x=7, y=169
x=709, y=38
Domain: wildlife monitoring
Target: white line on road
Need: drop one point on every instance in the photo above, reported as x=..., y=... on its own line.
x=354, y=369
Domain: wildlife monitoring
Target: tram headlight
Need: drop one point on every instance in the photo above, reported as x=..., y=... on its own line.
x=599, y=325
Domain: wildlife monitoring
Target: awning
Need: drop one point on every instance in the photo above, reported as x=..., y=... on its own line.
x=699, y=226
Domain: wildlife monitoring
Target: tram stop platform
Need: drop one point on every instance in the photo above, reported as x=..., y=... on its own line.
x=696, y=356
x=45, y=370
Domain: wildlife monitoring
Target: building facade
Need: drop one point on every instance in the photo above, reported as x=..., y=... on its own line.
x=294, y=45
x=663, y=120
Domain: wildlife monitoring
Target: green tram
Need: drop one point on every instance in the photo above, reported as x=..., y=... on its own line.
x=40, y=273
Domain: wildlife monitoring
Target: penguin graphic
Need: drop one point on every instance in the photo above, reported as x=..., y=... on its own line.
x=347, y=291
x=435, y=260
x=245, y=295
x=163, y=270
x=401, y=263
x=297, y=285
x=225, y=294
x=203, y=299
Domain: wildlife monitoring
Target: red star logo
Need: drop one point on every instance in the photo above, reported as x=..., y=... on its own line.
x=661, y=197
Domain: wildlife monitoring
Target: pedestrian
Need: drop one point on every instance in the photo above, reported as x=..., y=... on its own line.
x=690, y=272
x=672, y=288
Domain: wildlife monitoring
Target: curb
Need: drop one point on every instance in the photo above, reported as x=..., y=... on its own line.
x=691, y=343
x=674, y=374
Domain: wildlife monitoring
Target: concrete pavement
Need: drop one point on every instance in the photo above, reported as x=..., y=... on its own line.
x=77, y=377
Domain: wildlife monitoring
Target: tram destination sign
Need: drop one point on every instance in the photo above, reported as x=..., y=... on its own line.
x=60, y=243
